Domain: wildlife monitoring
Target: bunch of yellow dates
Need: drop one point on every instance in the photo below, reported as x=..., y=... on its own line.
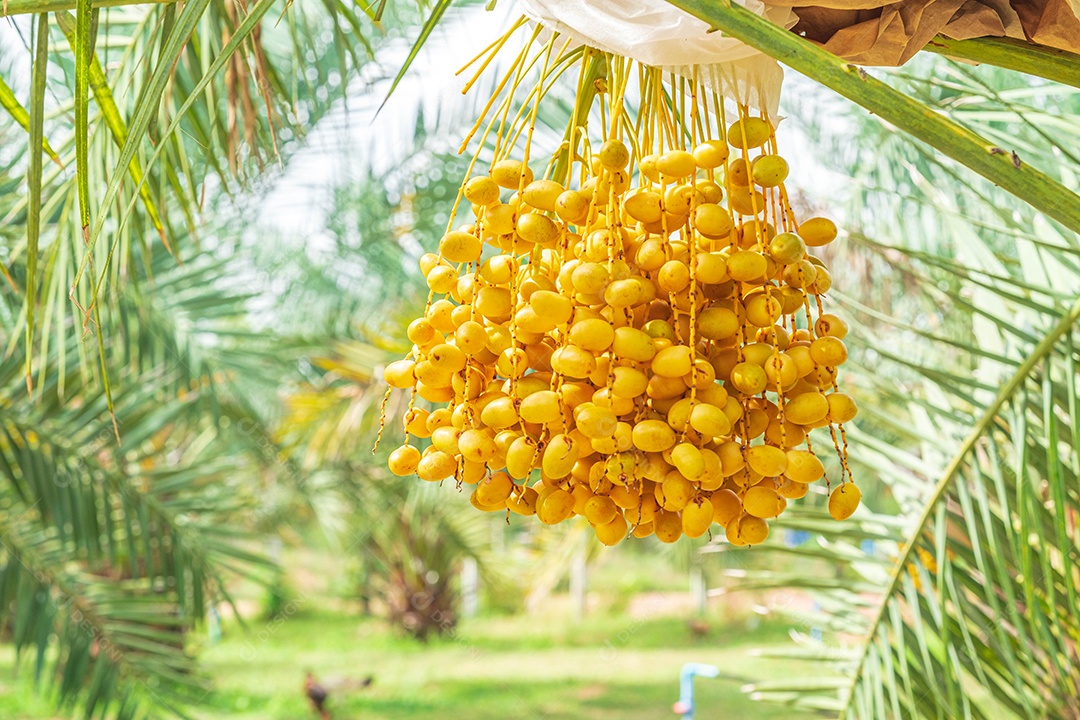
x=650, y=356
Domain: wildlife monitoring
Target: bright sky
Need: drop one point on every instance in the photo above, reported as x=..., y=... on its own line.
x=351, y=133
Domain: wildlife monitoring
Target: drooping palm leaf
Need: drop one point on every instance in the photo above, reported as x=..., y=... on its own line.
x=171, y=97
x=965, y=606
x=118, y=550
x=113, y=552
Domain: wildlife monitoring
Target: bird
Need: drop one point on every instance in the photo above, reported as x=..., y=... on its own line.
x=317, y=695
x=699, y=628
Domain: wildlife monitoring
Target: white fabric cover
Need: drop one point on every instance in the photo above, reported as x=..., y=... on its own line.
x=658, y=34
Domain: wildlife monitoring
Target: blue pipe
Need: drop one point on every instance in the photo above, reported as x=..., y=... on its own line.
x=685, y=705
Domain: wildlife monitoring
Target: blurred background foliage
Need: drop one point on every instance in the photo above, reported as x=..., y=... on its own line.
x=197, y=419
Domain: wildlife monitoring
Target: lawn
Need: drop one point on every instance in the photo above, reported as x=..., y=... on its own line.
x=494, y=668
x=621, y=662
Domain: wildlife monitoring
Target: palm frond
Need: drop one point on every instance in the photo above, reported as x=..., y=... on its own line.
x=963, y=603
x=118, y=550
x=1002, y=166
x=121, y=643
x=176, y=106
x=1050, y=63
x=129, y=544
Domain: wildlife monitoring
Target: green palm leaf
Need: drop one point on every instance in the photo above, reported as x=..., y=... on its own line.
x=112, y=553
x=965, y=607
x=1050, y=63
x=125, y=547
x=33, y=215
x=1001, y=166
x=172, y=95
x=21, y=116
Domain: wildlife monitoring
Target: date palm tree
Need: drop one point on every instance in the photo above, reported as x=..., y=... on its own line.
x=126, y=122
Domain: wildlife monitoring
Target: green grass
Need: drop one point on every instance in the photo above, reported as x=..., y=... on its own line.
x=18, y=700
x=493, y=668
x=608, y=668
x=611, y=666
